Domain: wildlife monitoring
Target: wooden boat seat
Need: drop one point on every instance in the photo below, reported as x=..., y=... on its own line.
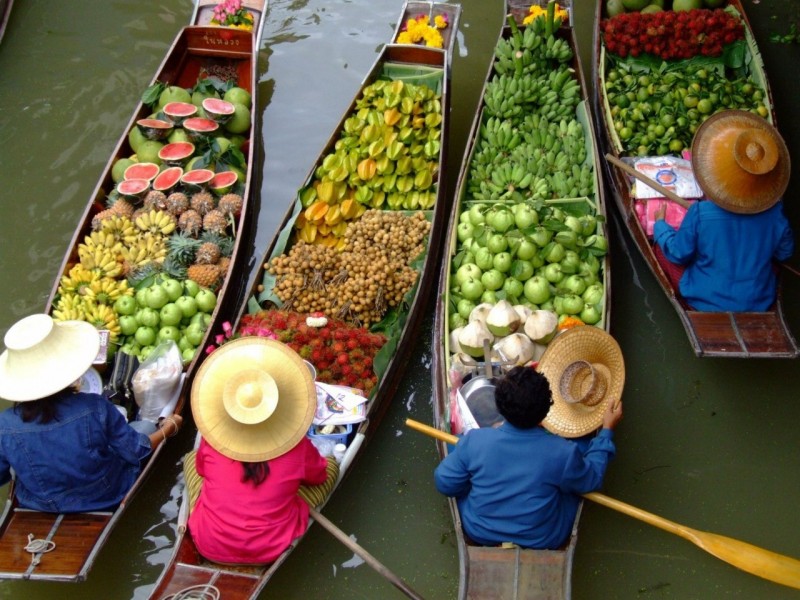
x=741, y=334
x=68, y=531
x=516, y=573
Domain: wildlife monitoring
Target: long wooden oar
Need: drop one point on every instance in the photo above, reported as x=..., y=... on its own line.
x=368, y=558
x=645, y=179
x=752, y=559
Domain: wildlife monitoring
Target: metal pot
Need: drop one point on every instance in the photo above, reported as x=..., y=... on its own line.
x=477, y=394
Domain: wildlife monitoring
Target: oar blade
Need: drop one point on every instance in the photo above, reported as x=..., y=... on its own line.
x=752, y=559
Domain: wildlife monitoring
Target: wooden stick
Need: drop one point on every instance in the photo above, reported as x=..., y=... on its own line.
x=645, y=179
x=752, y=559
x=368, y=558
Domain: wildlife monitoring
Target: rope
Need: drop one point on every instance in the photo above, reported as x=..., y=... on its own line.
x=37, y=547
x=202, y=591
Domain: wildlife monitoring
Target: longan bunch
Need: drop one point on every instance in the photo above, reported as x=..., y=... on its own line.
x=360, y=283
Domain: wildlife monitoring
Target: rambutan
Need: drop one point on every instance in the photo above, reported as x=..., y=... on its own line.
x=352, y=344
x=343, y=359
x=339, y=347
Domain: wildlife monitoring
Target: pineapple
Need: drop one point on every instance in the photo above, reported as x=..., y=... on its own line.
x=191, y=222
x=155, y=200
x=177, y=203
x=207, y=254
x=97, y=220
x=224, y=242
x=122, y=207
x=231, y=204
x=215, y=222
x=204, y=275
x=202, y=202
x=182, y=248
x=224, y=265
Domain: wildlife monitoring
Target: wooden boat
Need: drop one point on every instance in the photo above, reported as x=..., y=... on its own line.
x=187, y=569
x=5, y=15
x=496, y=572
x=79, y=537
x=720, y=334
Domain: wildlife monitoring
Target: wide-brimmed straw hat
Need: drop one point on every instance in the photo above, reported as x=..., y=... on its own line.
x=253, y=399
x=44, y=356
x=740, y=161
x=586, y=371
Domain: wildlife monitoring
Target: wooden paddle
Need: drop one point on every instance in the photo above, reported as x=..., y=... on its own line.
x=752, y=559
x=368, y=558
x=645, y=179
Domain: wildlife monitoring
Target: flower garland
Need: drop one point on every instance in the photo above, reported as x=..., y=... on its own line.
x=230, y=13
x=537, y=11
x=341, y=354
x=419, y=31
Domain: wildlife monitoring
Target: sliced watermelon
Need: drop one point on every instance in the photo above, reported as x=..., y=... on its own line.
x=154, y=129
x=142, y=170
x=167, y=179
x=222, y=182
x=134, y=189
x=178, y=111
x=219, y=110
x=197, y=179
x=177, y=153
x=198, y=127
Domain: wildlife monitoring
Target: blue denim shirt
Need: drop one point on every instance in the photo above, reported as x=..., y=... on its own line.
x=86, y=459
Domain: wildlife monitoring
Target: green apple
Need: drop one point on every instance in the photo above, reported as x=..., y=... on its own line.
x=206, y=300
x=149, y=317
x=187, y=306
x=191, y=287
x=145, y=336
x=188, y=354
x=131, y=347
x=173, y=287
x=184, y=343
x=169, y=332
x=125, y=305
x=170, y=314
x=128, y=324
x=145, y=352
x=156, y=297
x=195, y=333
x=202, y=319
x=140, y=297
x=502, y=262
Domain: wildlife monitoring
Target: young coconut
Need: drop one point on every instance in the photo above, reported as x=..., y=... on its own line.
x=517, y=347
x=523, y=311
x=541, y=326
x=471, y=338
x=503, y=320
x=480, y=312
x=455, y=348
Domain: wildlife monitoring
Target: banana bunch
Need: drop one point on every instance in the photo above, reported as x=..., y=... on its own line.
x=558, y=49
x=573, y=183
x=106, y=290
x=500, y=134
x=156, y=221
x=99, y=240
x=100, y=259
x=148, y=247
x=120, y=227
x=78, y=278
x=69, y=307
x=103, y=317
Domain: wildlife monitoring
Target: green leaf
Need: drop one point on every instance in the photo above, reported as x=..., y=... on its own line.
x=151, y=94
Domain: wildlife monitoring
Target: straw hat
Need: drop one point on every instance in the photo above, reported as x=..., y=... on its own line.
x=740, y=161
x=253, y=399
x=44, y=356
x=586, y=372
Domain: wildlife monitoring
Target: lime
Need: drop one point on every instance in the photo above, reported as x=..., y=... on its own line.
x=622, y=101
x=625, y=133
x=675, y=145
x=690, y=101
x=705, y=106
x=659, y=130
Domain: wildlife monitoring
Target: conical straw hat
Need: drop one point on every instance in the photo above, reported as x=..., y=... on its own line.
x=44, y=356
x=253, y=399
x=586, y=371
x=740, y=161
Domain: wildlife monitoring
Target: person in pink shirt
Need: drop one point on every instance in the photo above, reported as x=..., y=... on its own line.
x=253, y=401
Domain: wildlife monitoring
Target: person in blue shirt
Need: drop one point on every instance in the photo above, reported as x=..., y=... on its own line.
x=69, y=451
x=728, y=245
x=518, y=482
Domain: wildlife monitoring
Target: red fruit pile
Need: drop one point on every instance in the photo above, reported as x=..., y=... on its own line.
x=671, y=35
x=341, y=353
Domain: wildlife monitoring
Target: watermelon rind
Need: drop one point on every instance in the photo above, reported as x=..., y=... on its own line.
x=176, y=154
x=223, y=182
x=199, y=127
x=178, y=111
x=167, y=179
x=219, y=110
x=134, y=189
x=142, y=170
x=155, y=129
x=197, y=179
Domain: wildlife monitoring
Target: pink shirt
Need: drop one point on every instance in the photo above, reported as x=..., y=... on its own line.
x=236, y=522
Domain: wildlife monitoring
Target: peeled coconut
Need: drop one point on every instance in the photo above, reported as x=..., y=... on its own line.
x=471, y=338
x=480, y=312
x=523, y=311
x=541, y=326
x=503, y=320
x=517, y=347
x=454, y=345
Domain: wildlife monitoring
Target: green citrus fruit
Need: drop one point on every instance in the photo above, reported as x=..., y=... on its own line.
x=240, y=95
x=173, y=93
x=136, y=138
x=118, y=170
x=148, y=151
x=240, y=122
x=178, y=135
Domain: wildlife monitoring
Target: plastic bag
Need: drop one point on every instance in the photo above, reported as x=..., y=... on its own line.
x=157, y=380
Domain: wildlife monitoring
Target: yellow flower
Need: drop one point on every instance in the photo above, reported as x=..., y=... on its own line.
x=537, y=11
x=433, y=39
x=440, y=22
x=404, y=38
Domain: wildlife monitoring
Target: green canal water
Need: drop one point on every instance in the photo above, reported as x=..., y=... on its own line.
x=710, y=443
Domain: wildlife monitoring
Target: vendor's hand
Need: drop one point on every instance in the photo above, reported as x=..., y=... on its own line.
x=171, y=425
x=612, y=415
x=661, y=213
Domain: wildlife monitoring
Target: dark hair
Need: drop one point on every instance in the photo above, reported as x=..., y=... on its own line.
x=523, y=397
x=44, y=410
x=256, y=472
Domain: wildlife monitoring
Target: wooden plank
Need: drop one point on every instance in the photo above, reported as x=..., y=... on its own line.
x=765, y=334
x=514, y=573
x=715, y=332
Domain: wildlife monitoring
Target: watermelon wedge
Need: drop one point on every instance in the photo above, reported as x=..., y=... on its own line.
x=133, y=189
x=167, y=179
x=197, y=179
x=198, y=127
x=142, y=170
x=178, y=111
x=222, y=182
x=219, y=110
x=154, y=129
x=176, y=154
